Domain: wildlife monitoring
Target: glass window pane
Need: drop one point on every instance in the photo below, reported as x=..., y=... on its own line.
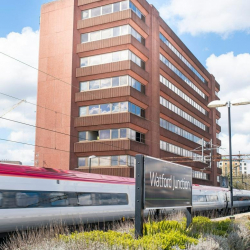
x=83, y=111
x=115, y=107
x=116, y=7
x=116, y=56
x=124, y=55
x=96, y=12
x=133, y=83
x=124, y=30
x=104, y=134
x=84, y=199
x=107, y=33
x=94, y=109
x=94, y=162
x=84, y=38
x=123, y=160
x=124, y=5
x=123, y=133
x=106, y=83
x=138, y=86
x=84, y=86
x=94, y=36
x=105, y=108
x=114, y=134
x=82, y=136
x=94, y=84
x=114, y=160
x=124, y=106
x=132, y=108
x=1, y=199
x=137, y=111
x=106, y=9
x=107, y=58
x=85, y=14
x=27, y=199
x=116, y=31
x=84, y=62
x=81, y=161
x=132, y=134
x=58, y=199
x=94, y=60
x=123, y=80
x=115, y=81
x=105, y=161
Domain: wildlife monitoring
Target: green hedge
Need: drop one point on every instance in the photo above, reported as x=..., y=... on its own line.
x=157, y=235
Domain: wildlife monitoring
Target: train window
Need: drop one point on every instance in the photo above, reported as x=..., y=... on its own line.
x=58, y=199
x=28, y=199
x=199, y=198
x=1, y=198
x=85, y=200
x=105, y=199
x=212, y=198
x=120, y=199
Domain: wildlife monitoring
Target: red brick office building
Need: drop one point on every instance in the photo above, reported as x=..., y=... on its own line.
x=120, y=82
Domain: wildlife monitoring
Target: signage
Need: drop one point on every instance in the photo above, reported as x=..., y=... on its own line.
x=166, y=184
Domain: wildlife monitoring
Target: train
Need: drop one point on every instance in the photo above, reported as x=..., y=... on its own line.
x=33, y=197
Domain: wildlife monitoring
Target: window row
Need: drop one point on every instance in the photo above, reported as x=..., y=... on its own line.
x=112, y=134
x=241, y=198
x=112, y=83
x=179, y=151
x=200, y=175
x=112, y=8
x=107, y=161
x=164, y=39
x=112, y=32
x=205, y=198
x=182, y=95
x=182, y=113
x=112, y=57
x=182, y=76
x=179, y=131
x=28, y=199
x=108, y=108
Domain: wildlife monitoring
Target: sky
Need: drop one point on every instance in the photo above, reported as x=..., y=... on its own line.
x=216, y=32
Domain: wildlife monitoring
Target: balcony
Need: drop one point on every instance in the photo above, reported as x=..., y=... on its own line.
x=123, y=145
x=120, y=118
x=113, y=17
x=101, y=94
x=112, y=67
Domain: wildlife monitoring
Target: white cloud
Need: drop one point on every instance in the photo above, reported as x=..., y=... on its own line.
x=232, y=73
x=19, y=80
x=201, y=16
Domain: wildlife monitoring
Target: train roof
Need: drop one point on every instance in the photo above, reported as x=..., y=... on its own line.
x=58, y=174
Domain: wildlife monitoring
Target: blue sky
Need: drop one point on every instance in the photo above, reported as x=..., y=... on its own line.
x=210, y=29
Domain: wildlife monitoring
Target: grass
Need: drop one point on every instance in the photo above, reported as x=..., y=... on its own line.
x=166, y=233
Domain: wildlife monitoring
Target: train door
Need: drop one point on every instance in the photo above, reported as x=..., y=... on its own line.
x=226, y=201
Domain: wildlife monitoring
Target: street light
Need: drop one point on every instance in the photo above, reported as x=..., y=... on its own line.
x=217, y=104
x=89, y=162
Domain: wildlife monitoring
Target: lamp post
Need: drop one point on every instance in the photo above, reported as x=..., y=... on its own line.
x=89, y=162
x=217, y=104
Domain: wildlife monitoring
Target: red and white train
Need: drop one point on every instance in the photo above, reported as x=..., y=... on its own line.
x=31, y=197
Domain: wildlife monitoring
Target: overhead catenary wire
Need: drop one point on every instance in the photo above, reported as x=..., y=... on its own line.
x=58, y=80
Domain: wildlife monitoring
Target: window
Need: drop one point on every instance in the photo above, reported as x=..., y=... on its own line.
x=164, y=39
x=180, y=112
x=175, y=129
x=182, y=95
x=1, y=199
x=212, y=198
x=123, y=133
x=28, y=199
x=111, y=57
x=114, y=160
x=123, y=160
x=95, y=12
x=106, y=83
x=182, y=76
x=106, y=9
x=104, y=134
x=115, y=134
x=81, y=162
x=58, y=199
x=116, y=7
x=84, y=199
x=93, y=110
x=105, y=108
x=104, y=161
x=199, y=198
x=82, y=136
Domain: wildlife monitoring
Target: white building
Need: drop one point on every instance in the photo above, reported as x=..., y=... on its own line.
x=245, y=167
